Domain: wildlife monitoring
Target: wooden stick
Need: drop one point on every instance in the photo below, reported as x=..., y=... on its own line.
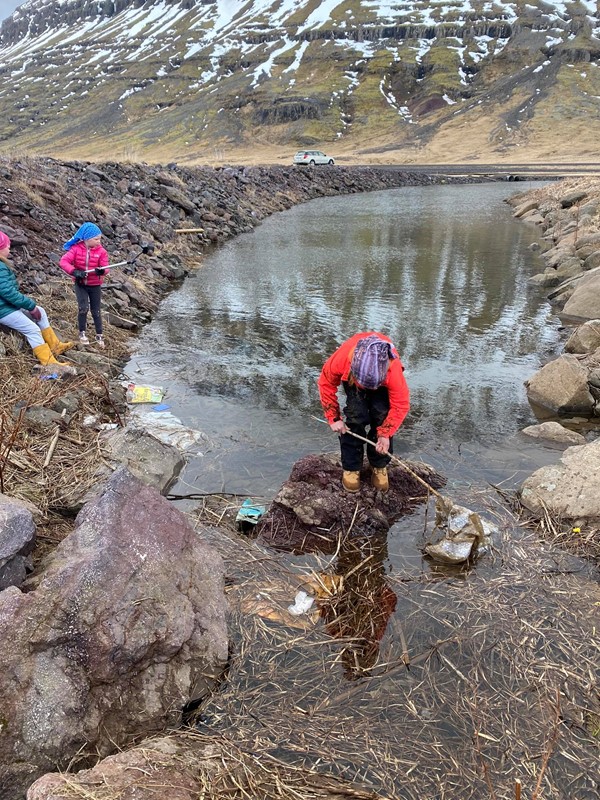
x=53, y=442
x=549, y=748
x=52, y=447
x=405, y=656
x=398, y=461
x=189, y=230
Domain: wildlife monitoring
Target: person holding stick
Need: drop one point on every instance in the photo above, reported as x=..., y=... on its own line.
x=371, y=373
x=22, y=313
x=86, y=261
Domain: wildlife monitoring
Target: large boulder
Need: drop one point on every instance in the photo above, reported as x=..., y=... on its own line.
x=585, y=338
x=561, y=386
x=554, y=432
x=584, y=303
x=145, y=456
x=17, y=538
x=557, y=255
x=123, y=628
x=568, y=490
x=155, y=463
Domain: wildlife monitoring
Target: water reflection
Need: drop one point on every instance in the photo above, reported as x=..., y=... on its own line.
x=359, y=610
x=442, y=270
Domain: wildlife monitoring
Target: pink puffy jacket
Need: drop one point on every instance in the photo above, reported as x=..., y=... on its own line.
x=81, y=257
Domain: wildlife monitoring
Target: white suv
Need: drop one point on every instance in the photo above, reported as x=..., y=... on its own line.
x=312, y=157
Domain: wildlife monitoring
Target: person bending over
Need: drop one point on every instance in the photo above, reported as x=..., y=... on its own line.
x=377, y=397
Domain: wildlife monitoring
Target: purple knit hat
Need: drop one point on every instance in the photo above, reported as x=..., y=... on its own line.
x=371, y=360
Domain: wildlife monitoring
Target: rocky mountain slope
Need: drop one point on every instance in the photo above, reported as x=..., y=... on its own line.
x=374, y=80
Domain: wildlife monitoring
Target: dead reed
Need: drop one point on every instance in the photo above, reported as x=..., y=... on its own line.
x=51, y=464
x=483, y=685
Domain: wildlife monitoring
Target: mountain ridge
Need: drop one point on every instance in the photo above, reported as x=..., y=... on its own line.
x=373, y=80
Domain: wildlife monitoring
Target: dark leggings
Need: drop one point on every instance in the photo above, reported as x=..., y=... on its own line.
x=364, y=407
x=88, y=297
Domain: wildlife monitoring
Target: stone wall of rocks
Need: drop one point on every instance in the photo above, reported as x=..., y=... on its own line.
x=141, y=206
x=568, y=387
x=568, y=214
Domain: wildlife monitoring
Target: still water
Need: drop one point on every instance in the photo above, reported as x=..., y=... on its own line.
x=442, y=270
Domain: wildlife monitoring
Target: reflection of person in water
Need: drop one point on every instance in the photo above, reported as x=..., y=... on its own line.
x=364, y=603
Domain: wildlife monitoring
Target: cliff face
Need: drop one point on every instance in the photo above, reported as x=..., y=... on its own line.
x=182, y=79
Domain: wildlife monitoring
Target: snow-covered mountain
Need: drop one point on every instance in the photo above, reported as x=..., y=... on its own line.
x=176, y=79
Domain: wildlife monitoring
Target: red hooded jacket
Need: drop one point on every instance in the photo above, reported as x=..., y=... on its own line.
x=337, y=369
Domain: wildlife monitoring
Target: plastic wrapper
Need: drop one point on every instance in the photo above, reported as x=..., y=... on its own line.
x=144, y=394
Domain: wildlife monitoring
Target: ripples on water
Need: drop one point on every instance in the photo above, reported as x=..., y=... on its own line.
x=442, y=270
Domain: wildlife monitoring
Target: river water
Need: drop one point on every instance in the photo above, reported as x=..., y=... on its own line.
x=443, y=270
x=390, y=681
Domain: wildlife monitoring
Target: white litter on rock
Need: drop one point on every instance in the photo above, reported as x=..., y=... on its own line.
x=166, y=427
x=302, y=604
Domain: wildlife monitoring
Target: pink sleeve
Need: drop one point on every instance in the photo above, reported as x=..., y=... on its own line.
x=67, y=262
x=103, y=260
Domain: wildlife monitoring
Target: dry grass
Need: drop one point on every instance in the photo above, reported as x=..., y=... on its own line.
x=189, y=766
x=480, y=679
x=51, y=466
x=581, y=539
x=24, y=448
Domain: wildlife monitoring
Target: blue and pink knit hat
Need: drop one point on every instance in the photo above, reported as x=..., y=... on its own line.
x=86, y=231
x=371, y=360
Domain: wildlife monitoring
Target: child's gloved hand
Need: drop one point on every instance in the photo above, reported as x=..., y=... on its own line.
x=99, y=270
x=79, y=273
x=35, y=314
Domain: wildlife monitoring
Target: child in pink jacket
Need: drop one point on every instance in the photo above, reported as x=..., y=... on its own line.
x=86, y=261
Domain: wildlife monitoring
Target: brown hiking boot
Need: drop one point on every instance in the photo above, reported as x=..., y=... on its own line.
x=351, y=480
x=379, y=479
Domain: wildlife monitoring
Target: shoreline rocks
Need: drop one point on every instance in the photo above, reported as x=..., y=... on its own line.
x=569, y=216
x=123, y=627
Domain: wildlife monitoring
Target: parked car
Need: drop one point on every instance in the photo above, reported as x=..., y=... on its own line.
x=312, y=157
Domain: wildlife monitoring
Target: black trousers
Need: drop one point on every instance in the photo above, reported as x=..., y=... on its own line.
x=364, y=407
x=88, y=297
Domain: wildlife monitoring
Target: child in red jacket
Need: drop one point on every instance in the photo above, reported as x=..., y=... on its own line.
x=86, y=261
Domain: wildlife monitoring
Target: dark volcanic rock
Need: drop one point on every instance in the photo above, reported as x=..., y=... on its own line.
x=311, y=509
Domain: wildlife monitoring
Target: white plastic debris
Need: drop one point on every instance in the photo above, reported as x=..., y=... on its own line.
x=167, y=428
x=464, y=534
x=302, y=604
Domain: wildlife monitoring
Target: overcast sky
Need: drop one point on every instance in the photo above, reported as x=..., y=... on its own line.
x=8, y=6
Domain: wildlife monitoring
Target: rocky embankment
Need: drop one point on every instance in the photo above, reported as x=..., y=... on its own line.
x=567, y=389
x=43, y=201
x=122, y=621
